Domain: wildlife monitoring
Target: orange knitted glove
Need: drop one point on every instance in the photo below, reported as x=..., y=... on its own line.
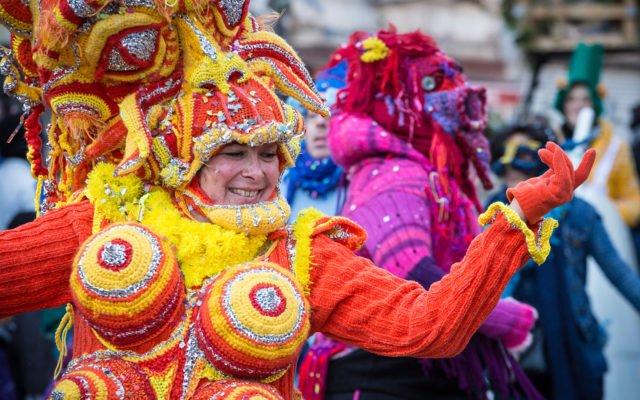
x=537, y=196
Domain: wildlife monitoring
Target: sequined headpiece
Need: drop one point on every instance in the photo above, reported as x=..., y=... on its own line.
x=153, y=87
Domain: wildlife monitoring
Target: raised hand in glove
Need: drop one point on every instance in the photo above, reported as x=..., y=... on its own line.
x=537, y=196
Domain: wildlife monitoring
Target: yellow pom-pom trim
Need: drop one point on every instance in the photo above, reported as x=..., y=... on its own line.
x=376, y=50
x=203, y=249
x=303, y=231
x=538, y=248
x=113, y=197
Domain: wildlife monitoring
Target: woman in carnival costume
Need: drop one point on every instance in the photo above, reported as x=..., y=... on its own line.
x=315, y=180
x=163, y=229
x=567, y=360
x=408, y=131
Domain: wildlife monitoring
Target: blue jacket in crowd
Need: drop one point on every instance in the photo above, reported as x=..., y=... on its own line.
x=571, y=340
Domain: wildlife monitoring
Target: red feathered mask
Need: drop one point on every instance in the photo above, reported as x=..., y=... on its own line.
x=411, y=88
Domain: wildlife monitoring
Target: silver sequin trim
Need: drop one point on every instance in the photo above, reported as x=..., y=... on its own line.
x=114, y=254
x=117, y=63
x=205, y=44
x=266, y=339
x=141, y=45
x=291, y=59
x=134, y=287
x=81, y=8
x=232, y=10
x=289, y=85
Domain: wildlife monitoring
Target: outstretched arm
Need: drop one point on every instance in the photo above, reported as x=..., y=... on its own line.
x=616, y=270
x=36, y=259
x=358, y=303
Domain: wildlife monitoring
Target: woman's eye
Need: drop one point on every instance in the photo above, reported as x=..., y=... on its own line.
x=270, y=155
x=234, y=154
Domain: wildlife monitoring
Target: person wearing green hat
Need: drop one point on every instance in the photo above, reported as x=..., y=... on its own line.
x=613, y=190
x=614, y=171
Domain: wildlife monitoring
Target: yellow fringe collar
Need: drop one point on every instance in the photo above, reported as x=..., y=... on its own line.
x=203, y=249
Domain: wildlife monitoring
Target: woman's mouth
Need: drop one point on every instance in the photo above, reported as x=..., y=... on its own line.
x=244, y=192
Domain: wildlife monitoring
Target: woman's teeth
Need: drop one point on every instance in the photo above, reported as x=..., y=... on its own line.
x=245, y=193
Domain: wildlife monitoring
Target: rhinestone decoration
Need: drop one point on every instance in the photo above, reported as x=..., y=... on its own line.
x=269, y=300
x=134, y=287
x=232, y=10
x=81, y=8
x=141, y=45
x=114, y=253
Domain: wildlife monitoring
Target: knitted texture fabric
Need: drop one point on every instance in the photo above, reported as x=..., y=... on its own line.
x=368, y=297
x=411, y=88
x=316, y=177
x=142, y=95
x=53, y=241
x=411, y=322
x=156, y=89
x=390, y=185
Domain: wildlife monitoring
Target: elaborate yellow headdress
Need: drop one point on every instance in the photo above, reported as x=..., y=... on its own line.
x=153, y=87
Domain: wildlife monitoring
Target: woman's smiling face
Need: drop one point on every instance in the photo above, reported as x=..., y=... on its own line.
x=240, y=174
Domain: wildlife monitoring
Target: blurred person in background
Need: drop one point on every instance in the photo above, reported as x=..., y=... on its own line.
x=315, y=180
x=17, y=186
x=635, y=148
x=614, y=173
x=613, y=190
x=566, y=360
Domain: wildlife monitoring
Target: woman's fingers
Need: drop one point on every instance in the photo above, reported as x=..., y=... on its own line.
x=546, y=156
x=552, y=147
x=584, y=169
x=562, y=178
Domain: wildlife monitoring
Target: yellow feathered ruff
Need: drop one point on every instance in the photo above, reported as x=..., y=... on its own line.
x=302, y=231
x=203, y=249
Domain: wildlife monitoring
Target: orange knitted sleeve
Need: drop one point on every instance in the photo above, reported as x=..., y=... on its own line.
x=360, y=304
x=36, y=258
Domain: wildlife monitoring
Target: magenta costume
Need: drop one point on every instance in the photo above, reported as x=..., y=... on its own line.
x=420, y=215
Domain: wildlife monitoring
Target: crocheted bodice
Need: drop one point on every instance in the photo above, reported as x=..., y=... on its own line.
x=175, y=303
x=247, y=322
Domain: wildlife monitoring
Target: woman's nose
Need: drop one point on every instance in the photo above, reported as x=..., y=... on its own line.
x=253, y=167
